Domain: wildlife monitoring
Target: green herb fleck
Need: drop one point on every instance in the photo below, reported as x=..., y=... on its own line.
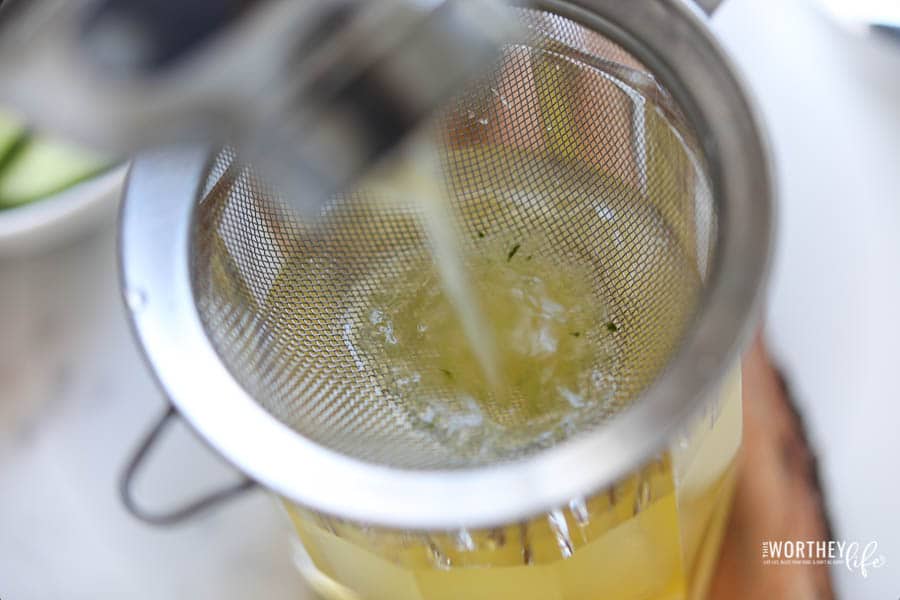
x=513, y=252
x=612, y=327
x=480, y=234
x=529, y=257
x=447, y=373
x=576, y=334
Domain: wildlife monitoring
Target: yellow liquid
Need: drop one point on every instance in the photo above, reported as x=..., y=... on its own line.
x=493, y=347
x=494, y=353
x=654, y=535
x=554, y=347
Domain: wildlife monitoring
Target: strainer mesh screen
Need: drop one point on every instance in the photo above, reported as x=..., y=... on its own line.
x=569, y=140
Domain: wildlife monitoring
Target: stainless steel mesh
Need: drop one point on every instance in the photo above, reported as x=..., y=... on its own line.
x=569, y=140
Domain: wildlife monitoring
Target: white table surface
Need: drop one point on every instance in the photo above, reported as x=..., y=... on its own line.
x=75, y=397
x=75, y=394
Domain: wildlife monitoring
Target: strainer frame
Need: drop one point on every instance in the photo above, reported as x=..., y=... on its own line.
x=155, y=248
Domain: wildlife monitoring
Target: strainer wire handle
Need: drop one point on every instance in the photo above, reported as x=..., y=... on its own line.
x=181, y=513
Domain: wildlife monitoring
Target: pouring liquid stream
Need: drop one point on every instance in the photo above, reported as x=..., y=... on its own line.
x=418, y=183
x=496, y=342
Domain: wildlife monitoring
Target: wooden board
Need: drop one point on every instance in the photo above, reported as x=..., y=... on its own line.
x=778, y=495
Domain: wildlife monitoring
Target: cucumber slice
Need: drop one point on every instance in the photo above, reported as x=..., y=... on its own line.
x=43, y=167
x=12, y=132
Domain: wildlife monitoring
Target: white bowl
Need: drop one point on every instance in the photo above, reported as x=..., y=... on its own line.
x=44, y=224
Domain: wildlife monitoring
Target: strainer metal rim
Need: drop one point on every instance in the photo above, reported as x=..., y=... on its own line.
x=155, y=245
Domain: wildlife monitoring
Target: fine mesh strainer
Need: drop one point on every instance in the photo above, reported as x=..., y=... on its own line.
x=614, y=132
